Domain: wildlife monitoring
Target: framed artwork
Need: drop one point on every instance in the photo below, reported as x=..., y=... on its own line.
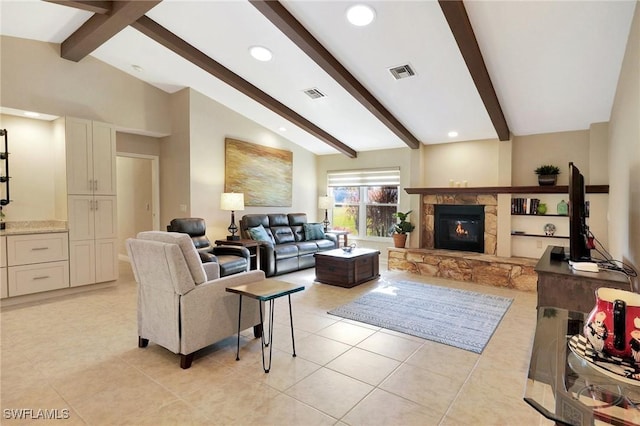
x=262, y=174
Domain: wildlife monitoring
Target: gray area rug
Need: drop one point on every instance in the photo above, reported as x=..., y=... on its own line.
x=460, y=318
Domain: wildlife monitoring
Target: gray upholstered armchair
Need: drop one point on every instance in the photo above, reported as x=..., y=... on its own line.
x=182, y=306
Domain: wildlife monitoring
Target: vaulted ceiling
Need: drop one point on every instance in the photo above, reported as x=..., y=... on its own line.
x=482, y=69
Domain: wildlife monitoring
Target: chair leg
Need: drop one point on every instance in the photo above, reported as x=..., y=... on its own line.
x=257, y=331
x=186, y=360
x=142, y=342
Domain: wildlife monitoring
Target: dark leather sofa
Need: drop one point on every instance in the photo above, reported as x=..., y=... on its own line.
x=290, y=241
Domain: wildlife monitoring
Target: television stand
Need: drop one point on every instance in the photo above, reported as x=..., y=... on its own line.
x=563, y=287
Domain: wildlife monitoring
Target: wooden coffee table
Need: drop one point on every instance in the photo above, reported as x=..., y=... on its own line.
x=337, y=267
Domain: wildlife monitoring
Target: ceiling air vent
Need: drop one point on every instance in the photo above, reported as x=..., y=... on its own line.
x=402, y=71
x=314, y=93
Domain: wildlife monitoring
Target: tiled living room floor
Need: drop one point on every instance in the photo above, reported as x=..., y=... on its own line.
x=80, y=353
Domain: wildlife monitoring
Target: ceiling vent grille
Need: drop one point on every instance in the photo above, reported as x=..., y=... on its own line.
x=402, y=71
x=314, y=93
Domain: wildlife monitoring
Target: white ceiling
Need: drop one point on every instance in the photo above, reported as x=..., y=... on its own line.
x=554, y=64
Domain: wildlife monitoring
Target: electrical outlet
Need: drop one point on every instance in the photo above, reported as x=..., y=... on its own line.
x=183, y=208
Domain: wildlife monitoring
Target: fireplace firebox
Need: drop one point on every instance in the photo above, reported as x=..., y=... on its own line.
x=459, y=227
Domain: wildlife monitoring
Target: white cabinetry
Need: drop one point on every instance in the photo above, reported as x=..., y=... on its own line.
x=4, y=292
x=91, y=157
x=37, y=263
x=90, y=148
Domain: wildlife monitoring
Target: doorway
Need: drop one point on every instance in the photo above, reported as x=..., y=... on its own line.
x=138, y=196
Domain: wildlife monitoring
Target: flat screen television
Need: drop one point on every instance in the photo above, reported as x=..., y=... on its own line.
x=578, y=230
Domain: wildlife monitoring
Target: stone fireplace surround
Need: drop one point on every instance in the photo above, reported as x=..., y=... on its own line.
x=487, y=268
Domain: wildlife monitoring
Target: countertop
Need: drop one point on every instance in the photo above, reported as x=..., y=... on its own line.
x=34, y=227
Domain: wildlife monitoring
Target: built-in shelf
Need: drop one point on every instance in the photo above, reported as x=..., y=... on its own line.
x=549, y=189
x=522, y=234
x=539, y=215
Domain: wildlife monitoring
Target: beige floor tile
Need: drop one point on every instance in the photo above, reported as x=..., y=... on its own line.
x=392, y=346
x=330, y=392
x=346, y=332
x=365, y=366
x=320, y=350
x=80, y=353
x=284, y=410
x=423, y=387
x=384, y=408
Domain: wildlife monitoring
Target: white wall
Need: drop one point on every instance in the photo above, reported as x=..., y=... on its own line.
x=31, y=168
x=624, y=155
x=134, y=198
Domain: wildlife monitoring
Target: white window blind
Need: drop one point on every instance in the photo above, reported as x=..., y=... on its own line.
x=367, y=177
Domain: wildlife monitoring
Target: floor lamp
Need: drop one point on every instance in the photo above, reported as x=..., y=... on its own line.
x=232, y=201
x=326, y=203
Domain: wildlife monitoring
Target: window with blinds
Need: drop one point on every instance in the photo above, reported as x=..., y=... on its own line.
x=365, y=201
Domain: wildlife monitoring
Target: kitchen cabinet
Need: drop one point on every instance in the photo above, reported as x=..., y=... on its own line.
x=37, y=263
x=4, y=290
x=92, y=239
x=90, y=156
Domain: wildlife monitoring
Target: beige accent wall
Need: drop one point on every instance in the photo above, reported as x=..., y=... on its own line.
x=32, y=167
x=36, y=78
x=624, y=155
x=210, y=123
x=476, y=162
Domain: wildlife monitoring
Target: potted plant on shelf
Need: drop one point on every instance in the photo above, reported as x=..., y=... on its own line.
x=2, y=224
x=401, y=229
x=547, y=174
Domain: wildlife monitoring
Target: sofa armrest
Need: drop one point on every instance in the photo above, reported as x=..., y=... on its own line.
x=212, y=269
x=332, y=237
x=232, y=250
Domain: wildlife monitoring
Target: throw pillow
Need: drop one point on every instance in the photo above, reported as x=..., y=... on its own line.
x=313, y=231
x=258, y=233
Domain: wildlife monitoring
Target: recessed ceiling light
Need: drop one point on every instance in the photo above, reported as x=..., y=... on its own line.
x=31, y=114
x=137, y=68
x=261, y=53
x=282, y=129
x=361, y=15
x=452, y=134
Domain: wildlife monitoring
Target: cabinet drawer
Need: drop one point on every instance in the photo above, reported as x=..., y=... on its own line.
x=29, y=279
x=37, y=248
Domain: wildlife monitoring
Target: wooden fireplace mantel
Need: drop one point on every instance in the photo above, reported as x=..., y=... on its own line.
x=549, y=189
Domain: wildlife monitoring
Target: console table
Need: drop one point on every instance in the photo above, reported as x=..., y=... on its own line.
x=565, y=388
x=563, y=287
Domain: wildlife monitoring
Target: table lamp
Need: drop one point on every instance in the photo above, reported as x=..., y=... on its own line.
x=326, y=203
x=232, y=201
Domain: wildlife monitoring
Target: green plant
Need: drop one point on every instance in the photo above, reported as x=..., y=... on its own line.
x=547, y=169
x=1, y=213
x=403, y=226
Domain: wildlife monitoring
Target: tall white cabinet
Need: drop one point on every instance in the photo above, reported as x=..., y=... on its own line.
x=90, y=154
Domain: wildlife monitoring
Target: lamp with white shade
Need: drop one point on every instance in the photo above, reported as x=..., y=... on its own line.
x=232, y=201
x=326, y=203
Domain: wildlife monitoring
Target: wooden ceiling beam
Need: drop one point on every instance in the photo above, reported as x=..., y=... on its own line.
x=97, y=6
x=100, y=28
x=456, y=15
x=171, y=41
x=279, y=16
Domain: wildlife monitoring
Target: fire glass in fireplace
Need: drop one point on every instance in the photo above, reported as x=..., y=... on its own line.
x=459, y=227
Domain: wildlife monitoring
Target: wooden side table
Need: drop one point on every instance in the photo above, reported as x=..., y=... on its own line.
x=266, y=291
x=251, y=245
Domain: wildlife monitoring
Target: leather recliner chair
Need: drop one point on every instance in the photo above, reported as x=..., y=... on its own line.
x=231, y=259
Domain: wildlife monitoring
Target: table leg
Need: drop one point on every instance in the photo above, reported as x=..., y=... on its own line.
x=293, y=340
x=239, y=317
x=270, y=341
